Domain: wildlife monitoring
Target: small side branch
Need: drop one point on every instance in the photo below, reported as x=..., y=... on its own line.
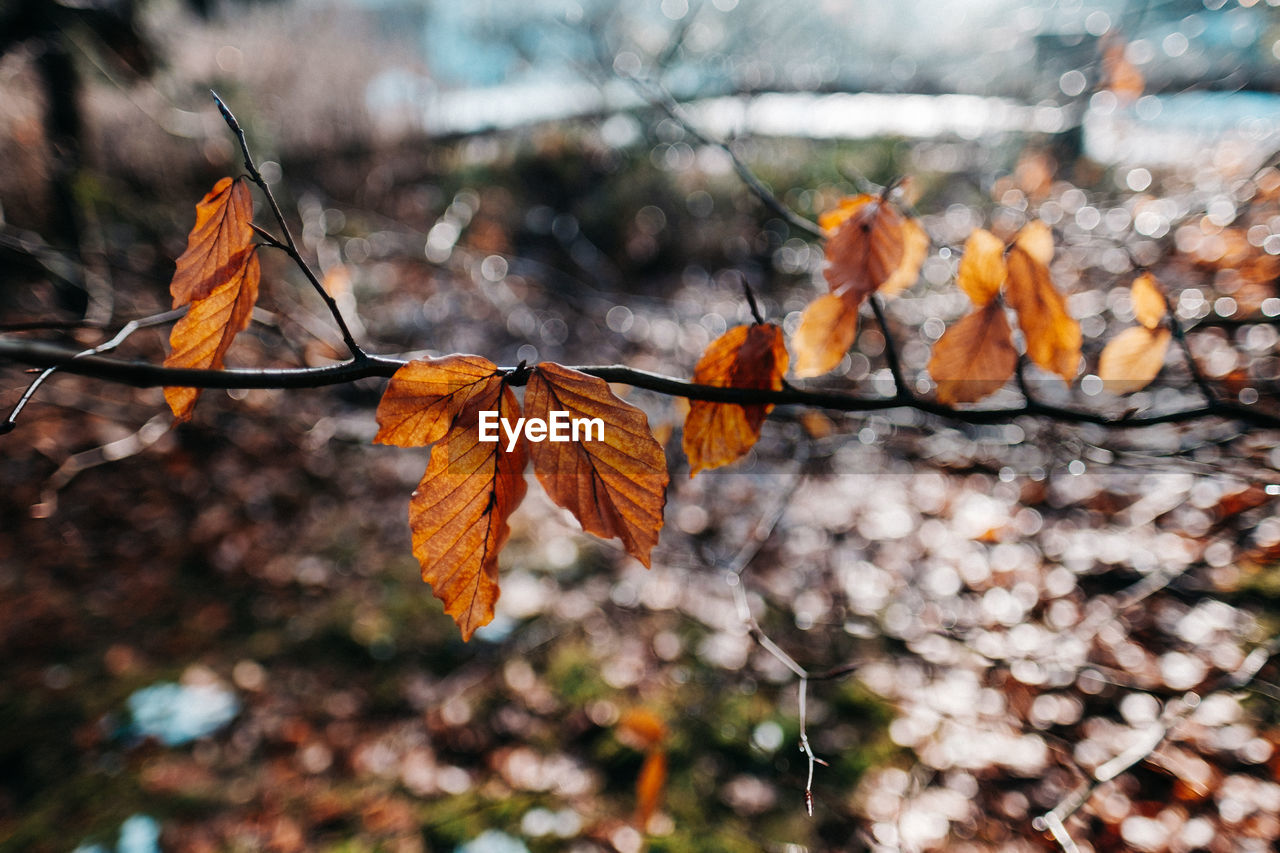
x=288, y=245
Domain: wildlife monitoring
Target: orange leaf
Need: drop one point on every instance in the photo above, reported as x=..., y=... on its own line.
x=753, y=356
x=974, y=357
x=649, y=785
x=1053, y=336
x=425, y=397
x=1149, y=306
x=202, y=337
x=866, y=249
x=641, y=726
x=1133, y=358
x=217, y=243
x=1120, y=75
x=458, y=514
x=827, y=329
x=982, y=268
x=615, y=485
x=915, y=245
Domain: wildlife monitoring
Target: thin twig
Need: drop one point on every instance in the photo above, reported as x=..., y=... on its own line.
x=120, y=336
x=659, y=97
x=901, y=391
x=289, y=245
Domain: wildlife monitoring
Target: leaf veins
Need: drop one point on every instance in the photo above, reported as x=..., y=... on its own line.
x=458, y=514
x=217, y=243
x=1053, y=336
x=615, y=487
x=974, y=357
x=426, y=396
x=202, y=337
x=752, y=356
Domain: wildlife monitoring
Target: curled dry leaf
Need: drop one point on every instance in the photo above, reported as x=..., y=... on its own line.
x=982, y=268
x=217, y=244
x=826, y=331
x=753, y=356
x=1149, y=307
x=641, y=729
x=1036, y=239
x=1053, y=336
x=616, y=486
x=974, y=357
x=1133, y=358
x=458, y=514
x=915, y=245
x=202, y=337
x=425, y=397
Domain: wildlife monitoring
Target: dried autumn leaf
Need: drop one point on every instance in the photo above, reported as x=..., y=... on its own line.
x=458, y=514
x=615, y=485
x=753, y=356
x=1121, y=76
x=974, y=357
x=1053, y=336
x=202, y=337
x=425, y=397
x=827, y=329
x=649, y=785
x=1149, y=306
x=982, y=268
x=1133, y=358
x=915, y=245
x=865, y=249
x=217, y=244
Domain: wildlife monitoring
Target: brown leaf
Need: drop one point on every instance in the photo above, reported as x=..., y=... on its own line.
x=975, y=357
x=865, y=249
x=217, y=244
x=458, y=514
x=649, y=785
x=1149, y=306
x=202, y=337
x=982, y=268
x=425, y=397
x=614, y=486
x=827, y=329
x=753, y=356
x=1133, y=358
x=1053, y=336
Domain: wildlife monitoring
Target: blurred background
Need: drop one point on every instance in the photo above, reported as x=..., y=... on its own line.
x=215, y=638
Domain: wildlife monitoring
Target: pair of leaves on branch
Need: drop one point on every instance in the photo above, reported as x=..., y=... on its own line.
x=871, y=246
x=976, y=357
x=1133, y=358
x=615, y=487
x=218, y=276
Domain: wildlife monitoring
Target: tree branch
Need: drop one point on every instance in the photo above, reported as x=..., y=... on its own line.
x=146, y=375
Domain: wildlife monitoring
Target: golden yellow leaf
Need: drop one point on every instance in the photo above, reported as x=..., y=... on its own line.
x=615, y=484
x=1036, y=239
x=218, y=242
x=425, y=396
x=458, y=514
x=915, y=245
x=1132, y=359
x=982, y=268
x=827, y=329
x=1053, y=336
x=753, y=356
x=1149, y=306
x=975, y=357
x=202, y=337
x=641, y=728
